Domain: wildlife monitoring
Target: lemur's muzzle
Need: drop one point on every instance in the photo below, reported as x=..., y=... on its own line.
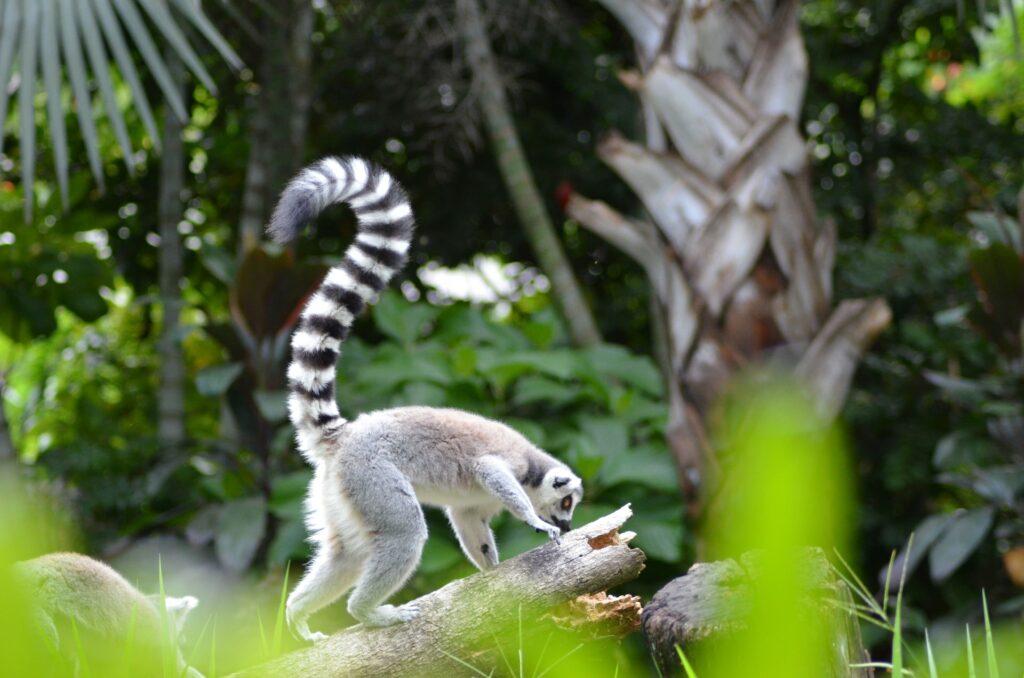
x=563, y=525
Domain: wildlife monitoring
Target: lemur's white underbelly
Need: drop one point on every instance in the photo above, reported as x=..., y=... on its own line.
x=456, y=498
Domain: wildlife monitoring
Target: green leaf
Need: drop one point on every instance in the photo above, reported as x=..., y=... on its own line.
x=439, y=554
x=958, y=541
x=925, y=535
x=659, y=539
x=401, y=320
x=10, y=22
x=618, y=363
x=649, y=467
x=216, y=380
x=503, y=367
x=26, y=108
x=534, y=389
x=289, y=542
x=273, y=405
x=240, y=529
x=609, y=436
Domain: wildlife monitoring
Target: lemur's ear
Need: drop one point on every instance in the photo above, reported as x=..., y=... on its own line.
x=560, y=481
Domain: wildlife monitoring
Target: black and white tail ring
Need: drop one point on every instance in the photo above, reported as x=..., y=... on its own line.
x=379, y=251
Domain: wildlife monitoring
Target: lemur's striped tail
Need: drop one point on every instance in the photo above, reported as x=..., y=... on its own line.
x=379, y=251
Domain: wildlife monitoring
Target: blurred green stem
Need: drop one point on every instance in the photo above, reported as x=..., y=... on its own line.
x=171, y=395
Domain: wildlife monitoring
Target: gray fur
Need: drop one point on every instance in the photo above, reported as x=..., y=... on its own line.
x=373, y=473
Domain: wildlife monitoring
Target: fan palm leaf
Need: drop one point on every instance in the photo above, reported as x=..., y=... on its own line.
x=79, y=43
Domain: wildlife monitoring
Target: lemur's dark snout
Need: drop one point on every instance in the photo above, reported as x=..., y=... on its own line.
x=563, y=525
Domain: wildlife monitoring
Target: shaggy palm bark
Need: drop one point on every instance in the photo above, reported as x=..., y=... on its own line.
x=171, y=394
x=515, y=171
x=739, y=263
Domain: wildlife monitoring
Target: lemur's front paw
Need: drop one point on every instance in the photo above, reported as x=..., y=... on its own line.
x=554, y=533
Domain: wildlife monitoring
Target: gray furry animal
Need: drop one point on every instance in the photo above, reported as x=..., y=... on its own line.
x=372, y=473
x=65, y=589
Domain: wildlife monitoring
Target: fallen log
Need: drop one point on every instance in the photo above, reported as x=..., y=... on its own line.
x=462, y=618
x=709, y=607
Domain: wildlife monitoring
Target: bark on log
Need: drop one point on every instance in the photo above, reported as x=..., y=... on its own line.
x=713, y=601
x=460, y=619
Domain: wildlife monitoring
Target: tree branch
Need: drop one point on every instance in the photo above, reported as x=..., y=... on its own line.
x=458, y=620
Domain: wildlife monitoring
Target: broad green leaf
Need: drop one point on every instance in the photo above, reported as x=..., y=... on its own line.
x=401, y=320
x=648, y=466
x=289, y=542
x=502, y=367
x=216, y=380
x=273, y=405
x=240, y=529
x=609, y=436
x=439, y=553
x=534, y=389
x=660, y=539
x=616, y=362
x=958, y=541
x=925, y=535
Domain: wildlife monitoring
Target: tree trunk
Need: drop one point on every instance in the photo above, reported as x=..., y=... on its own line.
x=171, y=394
x=7, y=451
x=515, y=171
x=460, y=620
x=738, y=261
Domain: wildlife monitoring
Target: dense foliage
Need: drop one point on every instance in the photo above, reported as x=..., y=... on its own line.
x=913, y=121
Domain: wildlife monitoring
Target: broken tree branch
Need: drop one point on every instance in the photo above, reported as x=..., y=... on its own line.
x=456, y=621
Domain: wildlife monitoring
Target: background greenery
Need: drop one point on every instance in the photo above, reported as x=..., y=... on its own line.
x=915, y=122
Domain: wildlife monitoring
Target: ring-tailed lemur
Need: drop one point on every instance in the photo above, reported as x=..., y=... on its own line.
x=372, y=473
x=70, y=588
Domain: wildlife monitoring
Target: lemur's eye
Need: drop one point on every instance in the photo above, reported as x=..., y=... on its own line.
x=567, y=502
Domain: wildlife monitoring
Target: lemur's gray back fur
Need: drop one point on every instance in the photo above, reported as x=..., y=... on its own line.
x=380, y=250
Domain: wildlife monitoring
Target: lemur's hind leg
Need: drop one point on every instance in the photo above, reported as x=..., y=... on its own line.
x=473, y=529
x=387, y=504
x=333, y=571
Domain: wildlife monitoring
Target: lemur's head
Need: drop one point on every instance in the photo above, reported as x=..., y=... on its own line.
x=556, y=497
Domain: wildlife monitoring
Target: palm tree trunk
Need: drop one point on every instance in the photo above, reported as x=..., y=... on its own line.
x=171, y=394
x=515, y=171
x=738, y=261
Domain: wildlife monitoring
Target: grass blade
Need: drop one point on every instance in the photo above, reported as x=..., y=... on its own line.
x=100, y=68
x=194, y=13
x=82, y=660
x=888, y=581
x=80, y=88
x=115, y=38
x=264, y=646
x=26, y=104
x=690, y=673
x=8, y=42
x=971, y=672
x=932, y=672
x=54, y=109
x=464, y=663
x=154, y=61
x=129, y=646
x=279, y=622
x=168, y=653
x=162, y=18
x=560, y=660
x=897, y=634
x=990, y=646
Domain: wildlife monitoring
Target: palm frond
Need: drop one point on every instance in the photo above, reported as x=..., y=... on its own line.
x=74, y=45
